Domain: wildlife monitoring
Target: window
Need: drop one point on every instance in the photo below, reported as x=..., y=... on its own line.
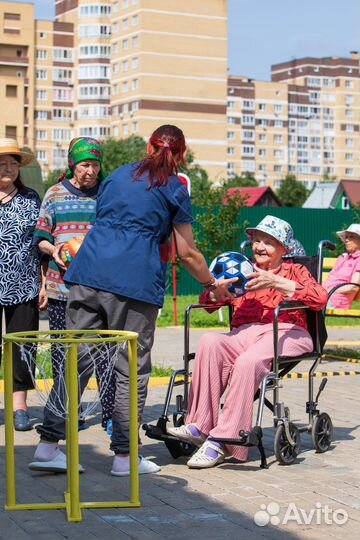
x=125, y=130
x=63, y=94
x=135, y=84
x=231, y=151
x=349, y=99
x=135, y=127
x=125, y=65
x=95, y=10
x=63, y=75
x=231, y=135
x=125, y=4
x=314, y=81
x=125, y=44
x=262, y=168
x=125, y=24
x=42, y=35
x=248, y=135
x=94, y=91
x=125, y=87
x=277, y=168
x=248, y=119
x=135, y=20
x=278, y=154
x=349, y=142
x=349, y=84
x=349, y=172
x=349, y=127
x=262, y=106
x=10, y=131
x=125, y=108
x=278, y=123
x=63, y=55
x=11, y=90
x=41, y=155
x=41, y=135
x=41, y=115
x=41, y=74
x=278, y=108
x=262, y=137
x=349, y=157
x=102, y=51
x=278, y=139
x=248, y=150
x=262, y=152
x=231, y=120
x=41, y=95
x=12, y=16
x=263, y=122
x=248, y=104
x=95, y=71
x=94, y=30
x=135, y=41
x=115, y=89
x=115, y=68
x=349, y=113
x=63, y=115
x=134, y=106
x=62, y=134
x=231, y=104
x=41, y=54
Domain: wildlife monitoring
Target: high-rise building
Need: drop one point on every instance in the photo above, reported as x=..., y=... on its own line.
x=305, y=122
x=115, y=68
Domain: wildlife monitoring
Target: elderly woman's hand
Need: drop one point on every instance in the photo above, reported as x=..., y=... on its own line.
x=266, y=279
x=56, y=256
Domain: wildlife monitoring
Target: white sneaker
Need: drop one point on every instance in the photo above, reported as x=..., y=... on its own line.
x=145, y=466
x=56, y=465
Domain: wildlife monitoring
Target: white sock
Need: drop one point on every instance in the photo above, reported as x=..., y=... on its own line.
x=121, y=463
x=46, y=451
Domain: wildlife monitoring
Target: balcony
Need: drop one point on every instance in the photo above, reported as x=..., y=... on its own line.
x=18, y=61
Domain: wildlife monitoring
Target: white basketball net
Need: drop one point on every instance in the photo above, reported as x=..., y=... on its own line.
x=49, y=360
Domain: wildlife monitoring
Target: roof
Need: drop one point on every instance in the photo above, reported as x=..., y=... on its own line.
x=352, y=190
x=321, y=196
x=252, y=194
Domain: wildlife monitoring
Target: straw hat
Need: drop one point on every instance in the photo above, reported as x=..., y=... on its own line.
x=10, y=146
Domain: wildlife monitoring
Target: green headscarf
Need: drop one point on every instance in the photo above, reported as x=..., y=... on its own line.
x=82, y=149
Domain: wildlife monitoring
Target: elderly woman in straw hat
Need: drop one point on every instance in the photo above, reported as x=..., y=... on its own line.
x=346, y=270
x=67, y=212
x=21, y=293
x=239, y=360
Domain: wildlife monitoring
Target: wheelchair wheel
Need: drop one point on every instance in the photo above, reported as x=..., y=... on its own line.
x=285, y=453
x=321, y=432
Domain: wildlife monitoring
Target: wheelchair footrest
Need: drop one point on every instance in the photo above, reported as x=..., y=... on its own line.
x=158, y=432
x=247, y=438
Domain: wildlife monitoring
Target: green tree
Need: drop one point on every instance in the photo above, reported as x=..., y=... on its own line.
x=292, y=192
x=52, y=178
x=118, y=152
x=217, y=224
x=245, y=180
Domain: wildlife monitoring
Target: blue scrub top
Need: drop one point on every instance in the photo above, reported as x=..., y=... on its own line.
x=121, y=253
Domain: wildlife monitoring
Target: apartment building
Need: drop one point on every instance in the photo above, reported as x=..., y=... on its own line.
x=115, y=68
x=304, y=122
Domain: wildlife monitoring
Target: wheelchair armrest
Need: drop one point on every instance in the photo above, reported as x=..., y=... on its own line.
x=288, y=305
x=339, y=287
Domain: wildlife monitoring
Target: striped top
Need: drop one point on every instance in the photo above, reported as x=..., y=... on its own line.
x=66, y=212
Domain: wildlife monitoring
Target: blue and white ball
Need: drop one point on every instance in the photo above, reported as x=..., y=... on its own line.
x=232, y=264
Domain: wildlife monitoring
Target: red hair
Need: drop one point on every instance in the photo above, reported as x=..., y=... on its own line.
x=166, y=148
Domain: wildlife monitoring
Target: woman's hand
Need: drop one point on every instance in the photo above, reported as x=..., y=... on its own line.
x=42, y=299
x=221, y=292
x=260, y=279
x=56, y=256
x=266, y=279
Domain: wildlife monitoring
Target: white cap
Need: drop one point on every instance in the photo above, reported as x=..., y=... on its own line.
x=354, y=228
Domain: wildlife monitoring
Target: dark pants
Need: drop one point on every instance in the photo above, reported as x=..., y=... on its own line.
x=21, y=318
x=57, y=321
x=99, y=310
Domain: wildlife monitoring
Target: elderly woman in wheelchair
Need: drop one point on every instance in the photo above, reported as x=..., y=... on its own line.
x=238, y=361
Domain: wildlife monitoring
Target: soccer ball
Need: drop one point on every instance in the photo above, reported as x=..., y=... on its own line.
x=70, y=249
x=232, y=264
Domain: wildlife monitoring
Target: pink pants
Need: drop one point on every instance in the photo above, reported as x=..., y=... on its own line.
x=237, y=361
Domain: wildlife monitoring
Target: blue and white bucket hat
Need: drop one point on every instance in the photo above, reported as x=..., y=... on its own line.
x=278, y=228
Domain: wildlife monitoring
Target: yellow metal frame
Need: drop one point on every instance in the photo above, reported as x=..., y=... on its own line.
x=72, y=503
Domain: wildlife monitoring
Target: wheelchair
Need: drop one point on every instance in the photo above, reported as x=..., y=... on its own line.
x=287, y=434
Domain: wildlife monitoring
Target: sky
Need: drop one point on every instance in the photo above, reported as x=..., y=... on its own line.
x=266, y=32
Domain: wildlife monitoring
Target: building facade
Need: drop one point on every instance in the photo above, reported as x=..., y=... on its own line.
x=304, y=122
x=116, y=68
